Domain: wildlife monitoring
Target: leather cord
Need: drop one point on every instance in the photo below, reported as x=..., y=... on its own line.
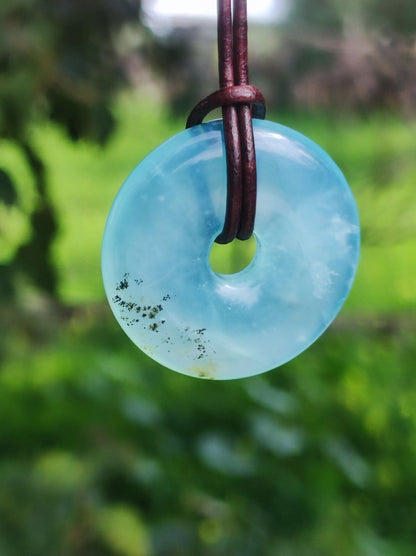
x=240, y=102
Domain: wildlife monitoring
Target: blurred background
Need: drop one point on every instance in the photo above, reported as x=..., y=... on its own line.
x=104, y=452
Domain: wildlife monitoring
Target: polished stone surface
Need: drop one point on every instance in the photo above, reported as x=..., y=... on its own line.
x=158, y=237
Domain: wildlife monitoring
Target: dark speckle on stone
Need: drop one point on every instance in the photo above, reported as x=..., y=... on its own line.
x=139, y=312
x=123, y=284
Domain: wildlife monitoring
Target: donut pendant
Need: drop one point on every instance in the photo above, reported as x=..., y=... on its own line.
x=160, y=230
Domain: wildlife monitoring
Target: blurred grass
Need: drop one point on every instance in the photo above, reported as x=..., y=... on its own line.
x=375, y=152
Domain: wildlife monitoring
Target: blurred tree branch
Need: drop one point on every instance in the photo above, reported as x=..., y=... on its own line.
x=58, y=61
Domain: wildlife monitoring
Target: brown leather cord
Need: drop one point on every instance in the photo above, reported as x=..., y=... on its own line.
x=229, y=96
x=240, y=102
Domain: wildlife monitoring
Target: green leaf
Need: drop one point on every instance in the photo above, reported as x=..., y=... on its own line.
x=8, y=193
x=123, y=531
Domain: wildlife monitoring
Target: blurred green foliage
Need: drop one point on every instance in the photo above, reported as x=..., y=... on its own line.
x=59, y=61
x=376, y=154
x=372, y=15
x=103, y=452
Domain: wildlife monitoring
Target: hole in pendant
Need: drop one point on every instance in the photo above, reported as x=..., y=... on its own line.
x=232, y=257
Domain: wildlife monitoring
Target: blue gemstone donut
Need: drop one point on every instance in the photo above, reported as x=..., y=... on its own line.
x=160, y=231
